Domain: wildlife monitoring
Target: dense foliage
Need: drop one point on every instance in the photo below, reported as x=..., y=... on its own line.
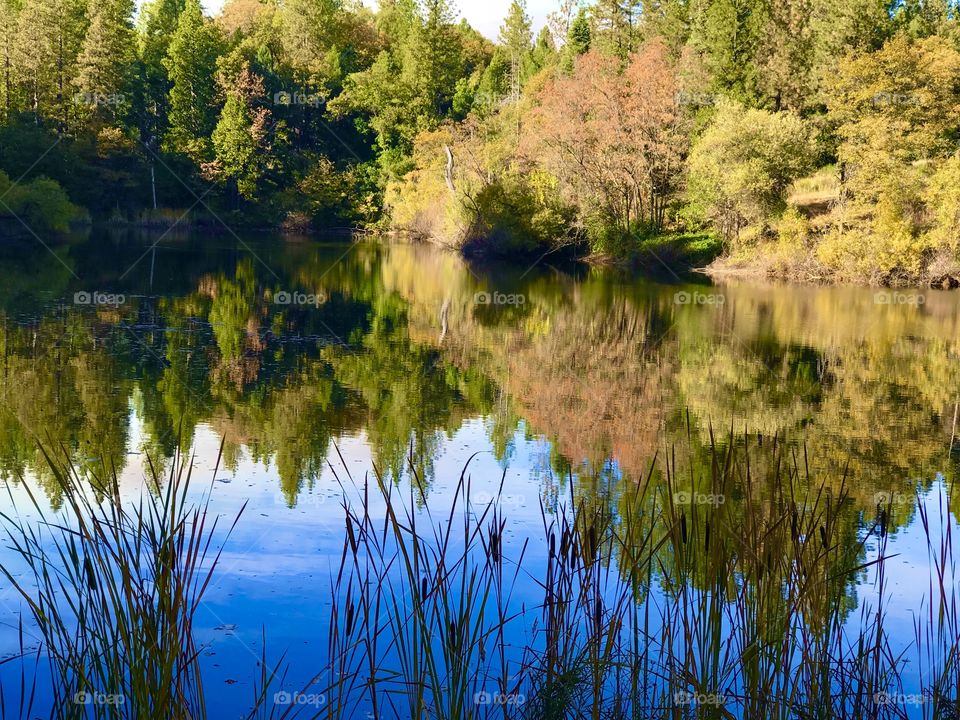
x=816, y=136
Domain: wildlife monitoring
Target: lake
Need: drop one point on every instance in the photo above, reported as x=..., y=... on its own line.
x=293, y=373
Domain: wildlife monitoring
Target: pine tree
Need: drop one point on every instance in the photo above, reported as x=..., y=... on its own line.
x=786, y=56
x=727, y=33
x=433, y=60
x=616, y=26
x=579, y=39
x=515, y=36
x=8, y=24
x=544, y=51
x=157, y=22
x=191, y=65
x=48, y=38
x=106, y=62
x=668, y=20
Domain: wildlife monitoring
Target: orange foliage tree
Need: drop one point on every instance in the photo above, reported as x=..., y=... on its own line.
x=611, y=133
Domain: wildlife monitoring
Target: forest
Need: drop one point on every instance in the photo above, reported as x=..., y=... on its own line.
x=809, y=139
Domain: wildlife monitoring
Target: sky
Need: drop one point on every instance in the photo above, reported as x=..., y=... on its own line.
x=485, y=15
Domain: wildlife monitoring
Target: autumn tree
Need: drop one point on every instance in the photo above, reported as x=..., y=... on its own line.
x=242, y=138
x=908, y=90
x=612, y=136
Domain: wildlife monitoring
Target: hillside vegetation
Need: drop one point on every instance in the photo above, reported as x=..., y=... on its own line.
x=813, y=139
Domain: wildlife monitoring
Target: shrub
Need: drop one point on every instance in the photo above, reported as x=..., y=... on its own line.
x=942, y=197
x=742, y=167
x=41, y=204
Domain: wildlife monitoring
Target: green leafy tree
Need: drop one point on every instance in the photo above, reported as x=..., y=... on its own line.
x=191, y=64
x=741, y=167
x=241, y=139
x=311, y=33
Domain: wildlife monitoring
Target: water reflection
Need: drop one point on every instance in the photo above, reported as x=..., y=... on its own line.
x=396, y=346
x=288, y=354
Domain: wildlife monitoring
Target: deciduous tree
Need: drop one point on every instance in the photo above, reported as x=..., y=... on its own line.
x=612, y=136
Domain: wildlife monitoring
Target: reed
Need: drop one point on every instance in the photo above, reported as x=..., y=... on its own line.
x=113, y=588
x=662, y=607
x=712, y=590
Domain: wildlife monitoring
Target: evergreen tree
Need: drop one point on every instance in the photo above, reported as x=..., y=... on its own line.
x=580, y=36
x=106, y=63
x=191, y=65
x=616, y=26
x=727, y=33
x=579, y=39
x=544, y=51
x=157, y=24
x=668, y=20
x=8, y=24
x=786, y=56
x=515, y=36
x=45, y=50
x=851, y=26
x=240, y=138
x=433, y=60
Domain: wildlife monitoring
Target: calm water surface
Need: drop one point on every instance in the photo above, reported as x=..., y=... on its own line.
x=312, y=363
